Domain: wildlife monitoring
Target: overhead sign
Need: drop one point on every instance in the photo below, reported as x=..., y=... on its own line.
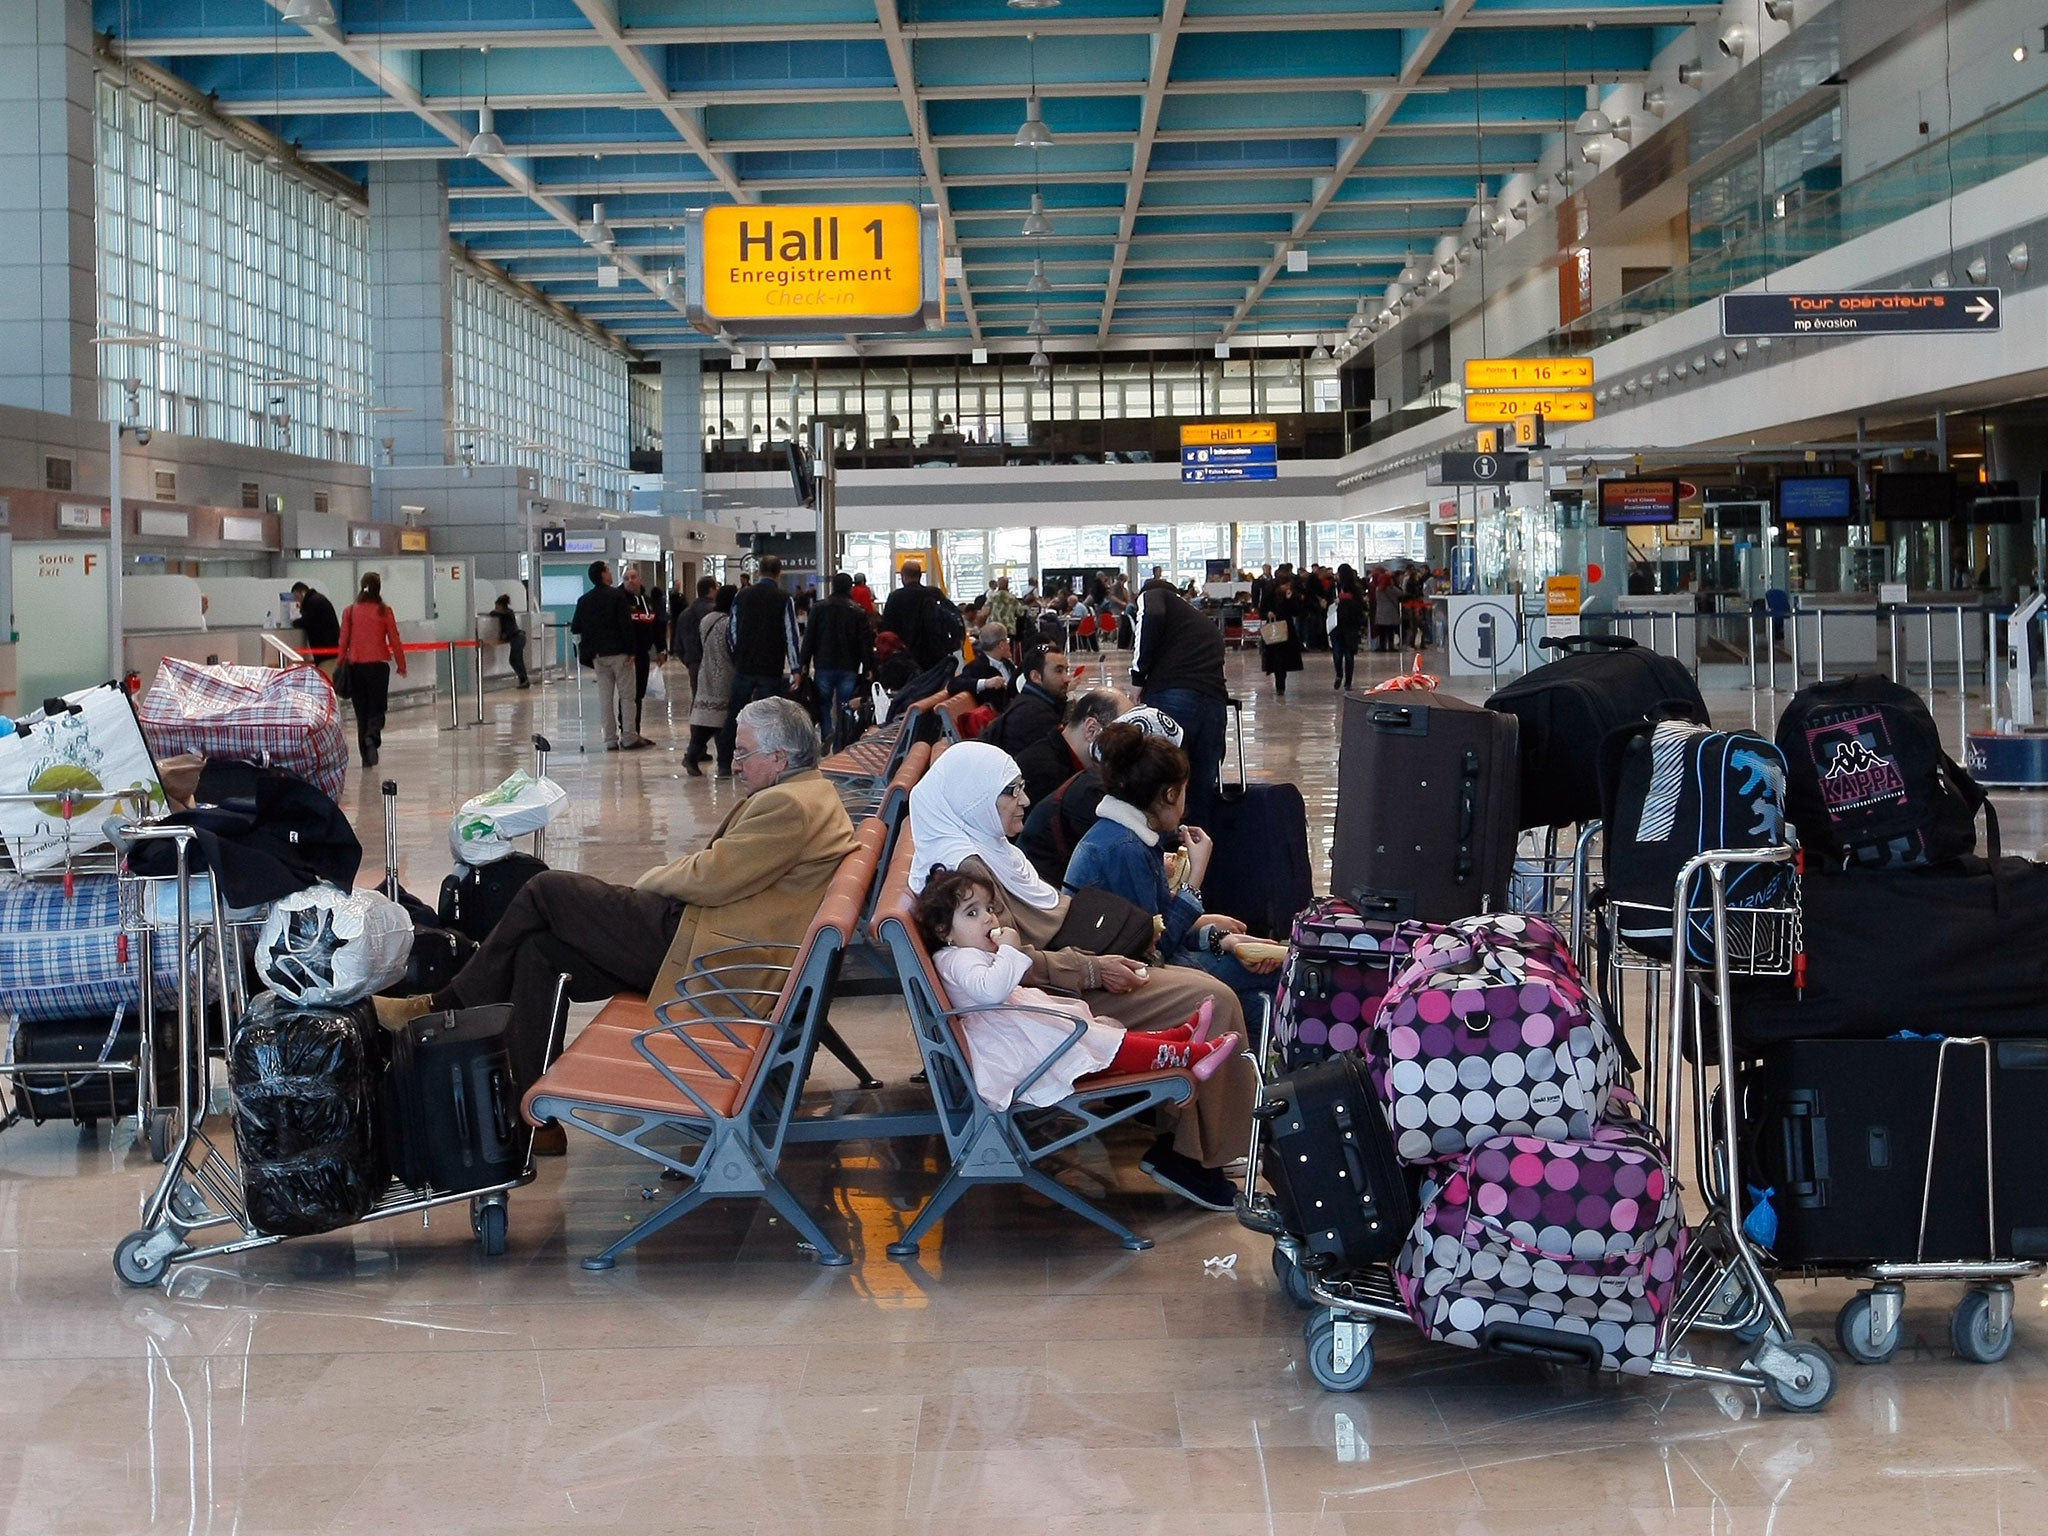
x=554, y=541
x=1213, y=451
x=1485, y=634
x=1687, y=530
x=1529, y=373
x=1876, y=311
x=793, y=269
x=412, y=541
x=1562, y=594
x=1551, y=404
x=1481, y=468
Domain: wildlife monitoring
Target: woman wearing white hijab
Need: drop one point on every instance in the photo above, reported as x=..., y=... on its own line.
x=963, y=813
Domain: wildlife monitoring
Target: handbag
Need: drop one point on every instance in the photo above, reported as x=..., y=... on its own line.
x=1104, y=923
x=657, y=686
x=1275, y=632
x=340, y=680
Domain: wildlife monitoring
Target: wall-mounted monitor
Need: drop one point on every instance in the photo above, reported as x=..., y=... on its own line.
x=1637, y=503
x=1915, y=496
x=1815, y=499
x=1126, y=546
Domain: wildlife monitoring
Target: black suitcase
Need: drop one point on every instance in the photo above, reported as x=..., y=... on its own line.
x=88, y=1098
x=452, y=1103
x=306, y=1084
x=1426, y=807
x=1260, y=872
x=474, y=897
x=437, y=955
x=1329, y=1157
x=1567, y=708
x=1842, y=1132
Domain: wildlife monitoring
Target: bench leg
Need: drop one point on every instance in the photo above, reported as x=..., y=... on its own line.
x=778, y=1195
x=679, y=1207
x=835, y=1042
x=942, y=1201
x=1053, y=1189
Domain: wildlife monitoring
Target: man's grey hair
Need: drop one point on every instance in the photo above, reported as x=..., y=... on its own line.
x=991, y=636
x=781, y=725
x=1102, y=705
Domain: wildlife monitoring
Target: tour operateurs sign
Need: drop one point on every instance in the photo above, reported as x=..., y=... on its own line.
x=779, y=269
x=1862, y=312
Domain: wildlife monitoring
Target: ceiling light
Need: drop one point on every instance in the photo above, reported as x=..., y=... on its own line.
x=2019, y=258
x=1321, y=353
x=1625, y=131
x=1655, y=102
x=1699, y=364
x=1408, y=277
x=1742, y=349
x=1691, y=74
x=1034, y=5
x=1780, y=10
x=1039, y=283
x=1519, y=213
x=1978, y=269
x=1678, y=369
x=597, y=232
x=1663, y=375
x=1630, y=385
x=1223, y=349
x=1297, y=260
x=1733, y=41
x=1590, y=151
x=767, y=361
x=1541, y=191
x=1720, y=357
x=1395, y=291
x=486, y=141
x=310, y=13
x=1033, y=134
x=1040, y=360
x=1593, y=122
x=1037, y=327
x=1939, y=279
x=2019, y=53
x=1035, y=222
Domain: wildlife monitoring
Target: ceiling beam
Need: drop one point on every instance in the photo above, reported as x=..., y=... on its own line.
x=900, y=60
x=603, y=16
x=1167, y=39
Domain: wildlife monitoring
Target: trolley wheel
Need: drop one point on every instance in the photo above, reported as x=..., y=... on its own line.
x=1855, y=1331
x=1819, y=1388
x=133, y=1262
x=489, y=1221
x=1322, y=1358
x=1970, y=1329
x=157, y=1135
x=1293, y=1283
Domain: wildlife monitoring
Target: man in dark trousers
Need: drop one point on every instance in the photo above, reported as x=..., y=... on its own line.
x=318, y=623
x=650, y=632
x=603, y=627
x=763, y=640
x=1177, y=664
x=1034, y=715
x=688, y=640
x=839, y=642
x=913, y=614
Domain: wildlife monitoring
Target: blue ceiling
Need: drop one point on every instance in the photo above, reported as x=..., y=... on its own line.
x=1195, y=141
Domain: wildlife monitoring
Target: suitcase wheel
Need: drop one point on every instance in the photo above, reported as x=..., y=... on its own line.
x=1324, y=1353
x=1293, y=1283
x=1981, y=1329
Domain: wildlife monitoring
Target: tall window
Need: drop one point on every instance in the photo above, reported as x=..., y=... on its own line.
x=533, y=389
x=251, y=285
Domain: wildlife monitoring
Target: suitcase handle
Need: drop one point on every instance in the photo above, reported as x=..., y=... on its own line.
x=1541, y=1344
x=1803, y=1134
x=500, y=1121
x=464, y=1131
x=1462, y=862
x=1395, y=717
x=1570, y=643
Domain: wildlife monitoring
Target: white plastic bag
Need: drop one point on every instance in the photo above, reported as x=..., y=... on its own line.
x=324, y=946
x=657, y=686
x=484, y=829
x=94, y=747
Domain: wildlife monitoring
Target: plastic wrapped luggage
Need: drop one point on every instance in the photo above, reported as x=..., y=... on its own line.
x=1488, y=1031
x=1568, y=707
x=1330, y=1160
x=69, y=955
x=307, y=1090
x=1427, y=797
x=453, y=1104
x=285, y=719
x=1564, y=1250
x=91, y=743
x=1339, y=966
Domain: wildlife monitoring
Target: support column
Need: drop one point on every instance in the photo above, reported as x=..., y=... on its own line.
x=411, y=330
x=47, y=291
x=682, y=434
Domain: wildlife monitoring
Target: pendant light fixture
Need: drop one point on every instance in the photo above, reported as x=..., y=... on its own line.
x=1036, y=224
x=486, y=141
x=1594, y=123
x=310, y=13
x=1034, y=134
x=1039, y=283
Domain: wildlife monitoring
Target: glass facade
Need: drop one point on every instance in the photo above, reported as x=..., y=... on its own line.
x=256, y=282
x=532, y=389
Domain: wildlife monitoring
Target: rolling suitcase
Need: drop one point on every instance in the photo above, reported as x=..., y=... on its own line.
x=1426, y=807
x=1847, y=1137
x=437, y=952
x=1568, y=707
x=474, y=896
x=1260, y=872
x=84, y=1098
x=1339, y=966
x=452, y=1106
x=1329, y=1157
x=305, y=1083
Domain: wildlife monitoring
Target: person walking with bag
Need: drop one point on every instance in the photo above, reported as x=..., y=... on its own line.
x=370, y=647
x=1279, y=645
x=712, y=694
x=603, y=627
x=650, y=629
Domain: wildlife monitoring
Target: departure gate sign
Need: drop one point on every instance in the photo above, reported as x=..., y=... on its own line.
x=1216, y=451
x=790, y=269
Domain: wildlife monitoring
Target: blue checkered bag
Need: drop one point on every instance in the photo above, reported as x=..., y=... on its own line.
x=70, y=956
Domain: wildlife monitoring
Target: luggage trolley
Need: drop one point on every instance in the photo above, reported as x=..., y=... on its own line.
x=100, y=861
x=1742, y=1299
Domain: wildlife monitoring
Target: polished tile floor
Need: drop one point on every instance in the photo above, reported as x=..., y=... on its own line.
x=1025, y=1375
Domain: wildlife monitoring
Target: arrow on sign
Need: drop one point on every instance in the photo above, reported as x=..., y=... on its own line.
x=1980, y=311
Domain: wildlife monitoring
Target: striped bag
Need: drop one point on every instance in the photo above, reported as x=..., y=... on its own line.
x=289, y=719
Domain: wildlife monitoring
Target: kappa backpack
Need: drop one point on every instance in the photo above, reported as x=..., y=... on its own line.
x=1868, y=782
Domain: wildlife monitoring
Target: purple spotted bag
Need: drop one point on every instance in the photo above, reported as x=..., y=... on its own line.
x=1339, y=966
x=1570, y=1249
x=1488, y=1031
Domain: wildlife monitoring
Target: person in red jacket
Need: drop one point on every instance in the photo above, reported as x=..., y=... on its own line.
x=369, y=648
x=864, y=594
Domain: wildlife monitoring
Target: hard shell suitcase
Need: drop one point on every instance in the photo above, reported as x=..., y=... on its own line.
x=1426, y=806
x=1339, y=966
x=452, y=1103
x=1568, y=707
x=1847, y=1137
x=1260, y=872
x=474, y=896
x=89, y=1097
x=1329, y=1157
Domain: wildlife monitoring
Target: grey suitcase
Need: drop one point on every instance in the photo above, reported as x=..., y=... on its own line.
x=1428, y=806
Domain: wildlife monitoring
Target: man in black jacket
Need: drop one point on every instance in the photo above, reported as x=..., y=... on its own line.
x=839, y=642
x=603, y=627
x=913, y=612
x=650, y=634
x=991, y=675
x=1034, y=715
x=1177, y=663
x=764, y=648
x=688, y=640
x=318, y=623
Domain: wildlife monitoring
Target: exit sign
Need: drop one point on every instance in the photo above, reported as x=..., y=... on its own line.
x=793, y=269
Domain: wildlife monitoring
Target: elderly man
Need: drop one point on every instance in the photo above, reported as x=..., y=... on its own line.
x=759, y=880
x=992, y=674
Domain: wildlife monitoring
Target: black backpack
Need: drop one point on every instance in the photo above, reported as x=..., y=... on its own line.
x=944, y=626
x=1868, y=781
x=475, y=896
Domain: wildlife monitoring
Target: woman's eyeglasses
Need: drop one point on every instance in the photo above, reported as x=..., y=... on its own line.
x=1015, y=791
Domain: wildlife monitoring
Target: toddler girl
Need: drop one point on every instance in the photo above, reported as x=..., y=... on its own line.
x=1012, y=1028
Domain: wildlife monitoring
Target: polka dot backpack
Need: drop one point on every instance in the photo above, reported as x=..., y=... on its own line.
x=1571, y=1249
x=1487, y=1031
x=1339, y=966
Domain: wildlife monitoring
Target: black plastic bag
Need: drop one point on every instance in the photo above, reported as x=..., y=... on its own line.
x=307, y=1088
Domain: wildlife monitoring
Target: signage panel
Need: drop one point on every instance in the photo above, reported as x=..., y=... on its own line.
x=792, y=269
x=1219, y=434
x=1863, y=312
x=1481, y=468
x=1529, y=373
x=1551, y=404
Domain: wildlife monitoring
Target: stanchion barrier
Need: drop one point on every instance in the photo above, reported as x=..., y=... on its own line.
x=1891, y=625
x=1962, y=672
x=1796, y=669
x=1749, y=616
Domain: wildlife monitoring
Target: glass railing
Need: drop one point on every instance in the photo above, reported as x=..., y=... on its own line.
x=1982, y=151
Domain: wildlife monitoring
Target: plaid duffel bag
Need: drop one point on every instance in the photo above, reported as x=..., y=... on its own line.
x=73, y=956
x=282, y=719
